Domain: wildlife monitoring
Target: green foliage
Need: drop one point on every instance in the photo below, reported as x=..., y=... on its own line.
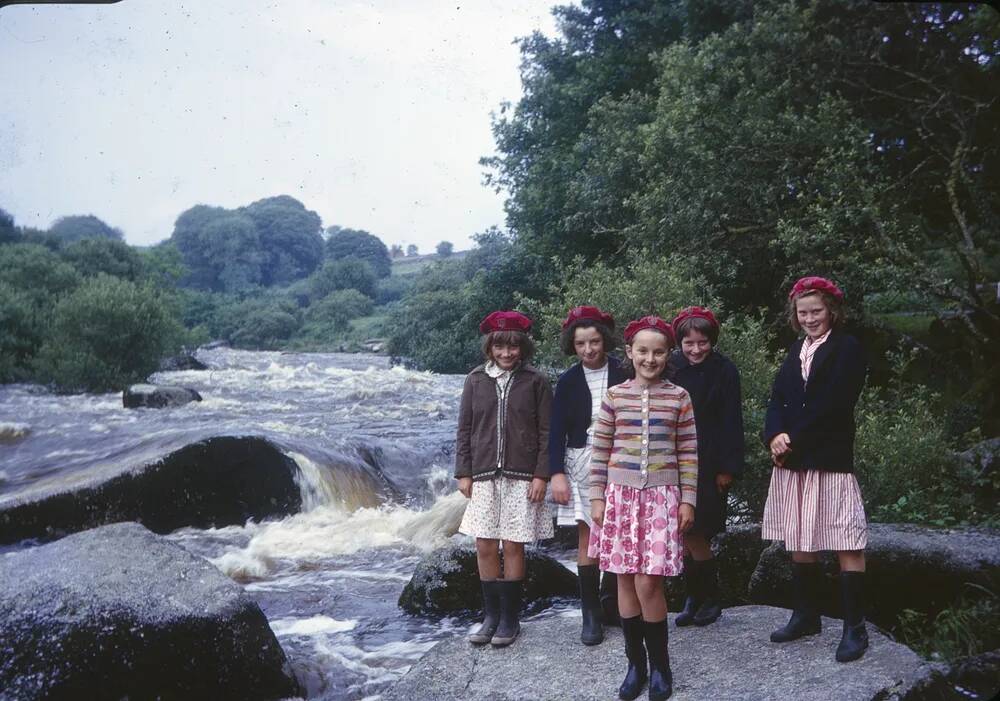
x=339, y=307
x=263, y=324
x=20, y=334
x=392, y=289
x=164, y=264
x=93, y=256
x=445, y=248
x=359, y=244
x=348, y=273
x=36, y=272
x=220, y=248
x=79, y=227
x=8, y=232
x=968, y=627
x=291, y=245
x=106, y=334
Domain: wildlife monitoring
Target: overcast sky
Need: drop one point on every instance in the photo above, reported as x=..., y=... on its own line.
x=374, y=114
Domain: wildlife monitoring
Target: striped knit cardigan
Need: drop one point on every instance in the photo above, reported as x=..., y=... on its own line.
x=645, y=437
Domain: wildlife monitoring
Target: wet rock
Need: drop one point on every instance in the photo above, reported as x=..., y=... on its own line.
x=909, y=567
x=11, y=433
x=446, y=582
x=221, y=343
x=182, y=361
x=729, y=660
x=158, y=396
x=117, y=612
x=216, y=482
x=969, y=679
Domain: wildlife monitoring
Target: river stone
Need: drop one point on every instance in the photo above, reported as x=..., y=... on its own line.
x=969, y=679
x=117, y=612
x=158, y=396
x=908, y=567
x=181, y=361
x=11, y=433
x=729, y=660
x=446, y=582
x=220, y=481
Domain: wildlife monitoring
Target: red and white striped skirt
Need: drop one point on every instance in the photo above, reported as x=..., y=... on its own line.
x=814, y=510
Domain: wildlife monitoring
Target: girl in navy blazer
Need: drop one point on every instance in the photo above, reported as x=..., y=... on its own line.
x=814, y=502
x=587, y=335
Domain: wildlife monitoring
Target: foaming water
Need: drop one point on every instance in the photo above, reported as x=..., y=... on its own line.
x=373, y=446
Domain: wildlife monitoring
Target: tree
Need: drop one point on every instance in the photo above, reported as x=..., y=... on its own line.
x=220, y=248
x=445, y=248
x=8, y=232
x=105, y=335
x=37, y=272
x=111, y=256
x=411, y=250
x=342, y=243
x=77, y=227
x=291, y=244
x=396, y=251
x=345, y=274
x=20, y=334
x=164, y=264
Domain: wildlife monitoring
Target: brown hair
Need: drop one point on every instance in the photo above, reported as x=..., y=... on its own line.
x=509, y=338
x=568, y=334
x=834, y=305
x=629, y=369
x=696, y=323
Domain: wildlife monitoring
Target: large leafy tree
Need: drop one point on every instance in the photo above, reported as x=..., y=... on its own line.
x=110, y=256
x=290, y=238
x=220, y=248
x=86, y=226
x=8, y=232
x=341, y=243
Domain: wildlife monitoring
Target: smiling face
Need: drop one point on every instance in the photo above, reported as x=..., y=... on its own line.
x=696, y=346
x=813, y=315
x=648, y=353
x=588, y=343
x=505, y=355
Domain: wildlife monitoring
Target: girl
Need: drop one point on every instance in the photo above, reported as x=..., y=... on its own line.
x=587, y=335
x=643, y=489
x=502, y=467
x=814, y=502
x=714, y=385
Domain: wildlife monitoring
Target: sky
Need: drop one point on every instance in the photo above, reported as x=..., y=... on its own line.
x=373, y=114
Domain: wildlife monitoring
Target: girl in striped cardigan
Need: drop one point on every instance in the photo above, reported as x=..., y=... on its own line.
x=643, y=489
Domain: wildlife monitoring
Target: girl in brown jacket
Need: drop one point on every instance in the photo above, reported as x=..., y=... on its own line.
x=501, y=464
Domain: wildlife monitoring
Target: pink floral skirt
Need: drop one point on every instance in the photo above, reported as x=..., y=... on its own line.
x=640, y=533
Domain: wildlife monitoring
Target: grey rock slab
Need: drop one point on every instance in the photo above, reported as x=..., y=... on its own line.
x=119, y=612
x=158, y=396
x=732, y=659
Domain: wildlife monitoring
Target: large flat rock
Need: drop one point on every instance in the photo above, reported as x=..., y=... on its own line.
x=118, y=612
x=732, y=659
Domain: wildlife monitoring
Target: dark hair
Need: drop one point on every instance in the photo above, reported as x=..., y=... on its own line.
x=509, y=338
x=834, y=305
x=696, y=323
x=629, y=369
x=568, y=334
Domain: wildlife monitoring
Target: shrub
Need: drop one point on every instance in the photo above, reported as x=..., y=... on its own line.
x=20, y=334
x=968, y=627
x=103, y=255
x=339, y=307
x=106, y=334
x=348, y=273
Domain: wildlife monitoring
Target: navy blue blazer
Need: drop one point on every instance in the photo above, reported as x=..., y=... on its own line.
x=819, y=416
x=571, y=411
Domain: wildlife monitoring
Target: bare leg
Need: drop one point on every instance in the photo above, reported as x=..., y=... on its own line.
x=851, y=560
x=628, y=600
x=698, y=546
x=582, y=543
x=799, y=556
x=488, y=558
x=513, y=560
x=649, y=590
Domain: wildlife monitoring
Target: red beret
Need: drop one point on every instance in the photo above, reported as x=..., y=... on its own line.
x=589, y=314
x=696, y=313
x=505, y=321
x=649, y=322
x=815, y=284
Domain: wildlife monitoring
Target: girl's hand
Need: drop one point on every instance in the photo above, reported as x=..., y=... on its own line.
x=780, y=445
x=685, y=517
x=465, y=486
x=723, y=481
x=560, y=488
x=536, y=492
x=597, y=512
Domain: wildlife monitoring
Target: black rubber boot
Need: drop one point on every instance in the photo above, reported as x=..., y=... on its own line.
x=510, y=612
x=638, y=667
x=711, y=607
x=661, y=679
x=590, y=604
x=854, y=640
x=609, y=599
x=805, y=616
x=491, y=614
x=692, y=586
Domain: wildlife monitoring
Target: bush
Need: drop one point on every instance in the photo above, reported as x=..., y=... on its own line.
x=20, y=334
x=339, y=307
x=36, y=272
x=968, y=627
x=348, y=273
x=102, y=255
x=106, y=335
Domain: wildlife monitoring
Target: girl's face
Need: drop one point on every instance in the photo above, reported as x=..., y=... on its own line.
x=506, y=357
x=695, y=346
x=648, y=353
x=589, y=346
x=813, y=315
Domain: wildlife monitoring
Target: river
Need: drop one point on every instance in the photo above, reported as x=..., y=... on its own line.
x=327, y=578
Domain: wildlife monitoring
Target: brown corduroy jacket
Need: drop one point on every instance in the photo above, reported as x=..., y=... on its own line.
x=526, y=435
